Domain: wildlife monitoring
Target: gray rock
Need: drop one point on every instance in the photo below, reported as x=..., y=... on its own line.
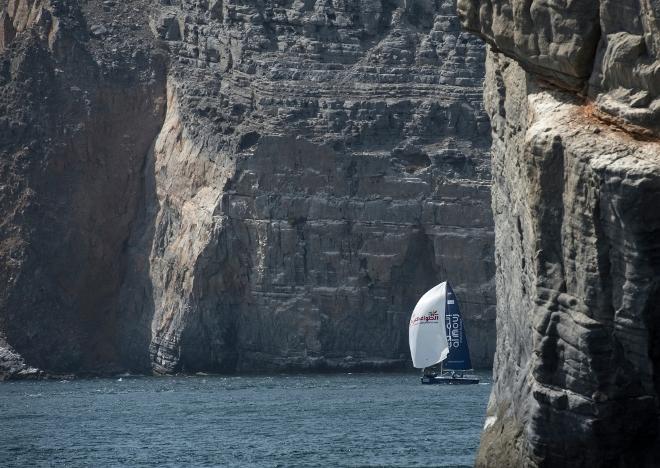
x=335, y=168
x=554, y=39
x=13, y=366
x=310, y=169
x=98, y=30
x=166, y=26
x=76, y=122
x=576, y=184
x=607, y=49
x=578, y=282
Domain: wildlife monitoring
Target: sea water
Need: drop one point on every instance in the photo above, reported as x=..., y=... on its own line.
x=288, y=421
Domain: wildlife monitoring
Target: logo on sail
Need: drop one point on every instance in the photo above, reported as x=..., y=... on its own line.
x=431, y=317
x=454, y=327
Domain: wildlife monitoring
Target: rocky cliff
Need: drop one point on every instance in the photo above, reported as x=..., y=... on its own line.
x=572, y=93
x=237, y=185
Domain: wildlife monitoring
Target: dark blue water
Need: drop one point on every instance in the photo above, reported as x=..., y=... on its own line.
x=309, y=420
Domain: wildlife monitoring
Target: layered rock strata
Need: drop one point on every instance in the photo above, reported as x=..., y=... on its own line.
x=237, y=185
x=326, y=165
x=571, y=93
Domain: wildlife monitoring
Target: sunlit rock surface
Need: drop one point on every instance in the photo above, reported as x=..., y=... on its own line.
x=572, y=97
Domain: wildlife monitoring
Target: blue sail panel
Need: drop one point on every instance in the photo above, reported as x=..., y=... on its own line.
x=459, y=353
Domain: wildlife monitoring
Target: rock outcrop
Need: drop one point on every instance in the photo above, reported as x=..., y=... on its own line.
x=571, y=91
x=238, y=185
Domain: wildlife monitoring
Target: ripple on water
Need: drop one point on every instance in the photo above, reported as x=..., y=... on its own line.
x=361, y=419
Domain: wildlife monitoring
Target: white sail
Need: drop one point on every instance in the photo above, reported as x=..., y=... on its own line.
x=426, y=332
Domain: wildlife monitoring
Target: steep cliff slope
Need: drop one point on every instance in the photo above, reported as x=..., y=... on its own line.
x=576, y=185
x=77, y=117
x=244, y=184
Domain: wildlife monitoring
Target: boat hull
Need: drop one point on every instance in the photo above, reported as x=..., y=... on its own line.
x=448, y=380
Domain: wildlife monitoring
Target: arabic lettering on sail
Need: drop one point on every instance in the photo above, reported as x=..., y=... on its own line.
x=431, y=317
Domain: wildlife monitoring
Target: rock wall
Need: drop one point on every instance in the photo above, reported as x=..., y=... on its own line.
x=76, y=119
x=571, y=91
x=270, y=185
x=327, y=147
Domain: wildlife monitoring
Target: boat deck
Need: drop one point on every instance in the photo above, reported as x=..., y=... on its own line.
x=449, y=379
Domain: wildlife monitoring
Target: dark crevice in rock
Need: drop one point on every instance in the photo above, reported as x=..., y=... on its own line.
x=550, y=214
x=652, y=315
x=604, y=301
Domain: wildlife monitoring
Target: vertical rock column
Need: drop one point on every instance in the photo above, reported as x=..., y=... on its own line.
x=576, y=185
x=577, y=239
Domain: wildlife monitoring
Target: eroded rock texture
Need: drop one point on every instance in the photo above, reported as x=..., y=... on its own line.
x=606, y=49
x=576, y=188
x=239, y=185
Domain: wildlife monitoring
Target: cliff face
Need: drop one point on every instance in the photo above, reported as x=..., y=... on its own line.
x=76, y=118
x=238, y=185
x=572, y=95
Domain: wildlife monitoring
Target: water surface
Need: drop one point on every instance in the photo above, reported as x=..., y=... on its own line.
x=288, y=421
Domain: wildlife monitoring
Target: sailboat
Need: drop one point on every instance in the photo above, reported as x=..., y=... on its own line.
x=437, y=335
